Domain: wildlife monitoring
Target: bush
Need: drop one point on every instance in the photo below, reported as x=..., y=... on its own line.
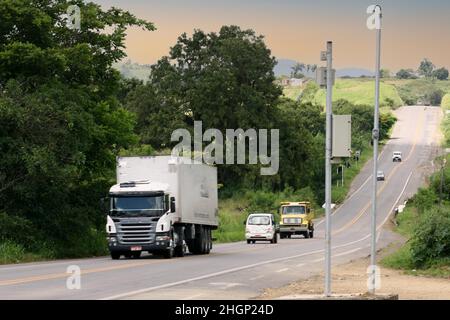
x=11, y=252
x=18, y=230
x=425, y=199
x=434, y=97
x=431, y=237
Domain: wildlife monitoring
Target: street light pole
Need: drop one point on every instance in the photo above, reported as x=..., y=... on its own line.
x=375, y=136
x=328, y=144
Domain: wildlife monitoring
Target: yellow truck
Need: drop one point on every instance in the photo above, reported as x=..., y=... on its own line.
x=296, y=218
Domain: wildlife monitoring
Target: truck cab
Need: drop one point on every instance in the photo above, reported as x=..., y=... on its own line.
x=139, y=219
x=296, y=219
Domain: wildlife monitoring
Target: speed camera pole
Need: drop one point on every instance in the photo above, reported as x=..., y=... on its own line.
x=375, y=136
x=329, y=59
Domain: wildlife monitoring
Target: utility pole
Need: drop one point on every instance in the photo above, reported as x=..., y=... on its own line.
x=328, y=144
x=376, y=11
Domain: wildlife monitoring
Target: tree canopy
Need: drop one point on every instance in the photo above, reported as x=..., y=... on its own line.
x=61, y=123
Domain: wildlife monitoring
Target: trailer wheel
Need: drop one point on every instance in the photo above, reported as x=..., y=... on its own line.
x=207, y=234
x=115, y=255
x=197, y=245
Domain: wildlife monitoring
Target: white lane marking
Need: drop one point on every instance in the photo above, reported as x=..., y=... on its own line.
x=318, y=260
x=256, y=278
x=346, y=252
x=225, y=285
x=172, y=284
x=193, y=297
x=359, y=189
x=300, y=265
x=351, y=196
x=282, y=270
x=395, y=203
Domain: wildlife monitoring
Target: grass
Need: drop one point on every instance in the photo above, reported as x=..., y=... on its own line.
x=361, y=92
x=292, y=92
x=11, y=252
x=402, y=259
x=231, y=218
x=413, y=91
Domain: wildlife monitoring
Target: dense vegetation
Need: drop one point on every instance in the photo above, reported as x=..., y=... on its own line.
x=65, y=113
x=61, y=125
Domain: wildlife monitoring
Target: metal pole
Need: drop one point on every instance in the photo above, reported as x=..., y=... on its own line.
x=375, y=136
x=328, y=170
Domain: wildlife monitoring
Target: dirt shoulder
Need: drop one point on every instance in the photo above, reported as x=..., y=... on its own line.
x=351, y=278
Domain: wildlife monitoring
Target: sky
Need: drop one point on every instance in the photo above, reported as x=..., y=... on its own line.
x=299, y=29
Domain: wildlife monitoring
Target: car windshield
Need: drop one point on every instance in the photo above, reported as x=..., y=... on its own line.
x=258, y=220
x=294, y=210
x=138, y=206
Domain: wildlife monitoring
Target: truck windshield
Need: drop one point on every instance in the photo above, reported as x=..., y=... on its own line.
x=294, y=210
x=138, y=206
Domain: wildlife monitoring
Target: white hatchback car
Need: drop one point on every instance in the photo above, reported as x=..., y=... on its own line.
x=261, y=227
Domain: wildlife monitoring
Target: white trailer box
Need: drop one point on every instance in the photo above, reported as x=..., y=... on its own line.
x=193, y=184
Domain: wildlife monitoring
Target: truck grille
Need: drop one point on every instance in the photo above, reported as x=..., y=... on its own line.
x=136, y=233
x=292, y=221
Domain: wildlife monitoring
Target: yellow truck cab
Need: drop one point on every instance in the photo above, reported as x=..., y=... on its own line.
x=296, y=218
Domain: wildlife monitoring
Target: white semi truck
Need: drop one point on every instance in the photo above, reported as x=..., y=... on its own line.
x=162, y=205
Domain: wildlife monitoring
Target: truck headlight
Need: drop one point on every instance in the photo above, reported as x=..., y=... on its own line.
x=112, y=240
x=162, y=238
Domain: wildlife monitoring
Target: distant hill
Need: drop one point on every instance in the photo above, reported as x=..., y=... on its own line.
x=131, y=69
x=353, y=72
x=284, y=68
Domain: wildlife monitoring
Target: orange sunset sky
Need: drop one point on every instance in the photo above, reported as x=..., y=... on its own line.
x=298, y=30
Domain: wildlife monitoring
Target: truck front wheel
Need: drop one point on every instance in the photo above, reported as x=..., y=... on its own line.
x=168, y=253
x=115, y=255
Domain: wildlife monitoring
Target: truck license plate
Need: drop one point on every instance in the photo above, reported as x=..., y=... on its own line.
x=136, y=248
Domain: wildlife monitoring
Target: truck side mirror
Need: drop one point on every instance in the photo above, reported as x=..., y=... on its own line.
x=245, y=222
x=104, y=205
x=172, y=204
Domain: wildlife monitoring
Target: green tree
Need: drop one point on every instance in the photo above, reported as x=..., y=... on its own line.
x=426, y=68
x=405, y=74
x=440, y=74
x=385, y=73
x=61, y=123
x=297, y=70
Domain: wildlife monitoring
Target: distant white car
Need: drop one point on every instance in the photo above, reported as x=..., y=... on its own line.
x=380, y=176
x=261, y=227
x=397, y=156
